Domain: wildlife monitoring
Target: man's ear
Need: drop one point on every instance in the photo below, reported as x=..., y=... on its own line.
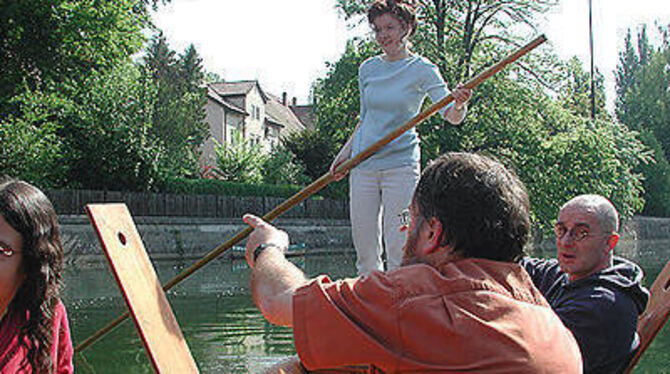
x=433, y=234
x=612, y=240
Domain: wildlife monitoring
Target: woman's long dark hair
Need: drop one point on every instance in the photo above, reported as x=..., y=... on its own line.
x=30, y=213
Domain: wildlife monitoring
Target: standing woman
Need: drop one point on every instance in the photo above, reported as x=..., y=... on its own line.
x=392, y=88
x=34, y=332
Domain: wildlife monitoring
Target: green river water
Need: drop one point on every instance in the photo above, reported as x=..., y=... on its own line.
x=223, y=329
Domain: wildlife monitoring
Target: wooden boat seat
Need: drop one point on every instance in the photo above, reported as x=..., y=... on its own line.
x=655, y=315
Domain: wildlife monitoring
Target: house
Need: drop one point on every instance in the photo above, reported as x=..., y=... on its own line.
x=244, y=108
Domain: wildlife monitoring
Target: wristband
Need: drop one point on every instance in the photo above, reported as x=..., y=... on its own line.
x=262, y=247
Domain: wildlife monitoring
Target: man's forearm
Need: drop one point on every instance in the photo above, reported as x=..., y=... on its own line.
x=274, y=279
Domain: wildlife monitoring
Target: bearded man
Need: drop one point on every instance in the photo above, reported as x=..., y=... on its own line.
x=460, y=302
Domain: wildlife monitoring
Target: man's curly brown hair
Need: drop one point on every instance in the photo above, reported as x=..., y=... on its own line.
x=483, y=207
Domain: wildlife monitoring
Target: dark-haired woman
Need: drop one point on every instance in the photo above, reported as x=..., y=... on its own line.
x=34, y=332
x=392, y=87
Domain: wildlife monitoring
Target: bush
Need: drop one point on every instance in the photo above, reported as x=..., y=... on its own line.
x=217, y=187
x=280, y=167
x=239, y=161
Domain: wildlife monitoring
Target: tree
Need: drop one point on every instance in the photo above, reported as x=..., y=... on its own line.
x=312, y=150
x=239, y=160
x=644, y=101
x=57, y=42
x=656, y=182
x=190, y=72
x=31, y=149
x=106, y=132
x=281, y=167
x=631, y=62
x=575, y=93
x=71, y=102
x=643, y=104
x=179, y=119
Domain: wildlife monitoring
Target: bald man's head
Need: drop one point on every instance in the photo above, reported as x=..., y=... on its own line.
x=602, y=208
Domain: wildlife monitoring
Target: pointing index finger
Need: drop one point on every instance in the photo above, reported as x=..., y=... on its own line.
x=253, y=220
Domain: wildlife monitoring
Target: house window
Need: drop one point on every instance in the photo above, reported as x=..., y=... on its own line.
x=255, y=112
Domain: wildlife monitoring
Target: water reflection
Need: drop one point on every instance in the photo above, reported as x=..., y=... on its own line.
x=225, y=332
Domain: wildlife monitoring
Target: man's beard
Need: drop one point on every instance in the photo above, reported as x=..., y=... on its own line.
x=409, y=256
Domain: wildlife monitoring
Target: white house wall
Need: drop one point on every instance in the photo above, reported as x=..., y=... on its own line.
x=215, y=117
x=255, y=106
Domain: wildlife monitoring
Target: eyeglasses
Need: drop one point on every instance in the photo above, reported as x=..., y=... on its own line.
x=405, y=218
x=576, y=234
x=6, y=251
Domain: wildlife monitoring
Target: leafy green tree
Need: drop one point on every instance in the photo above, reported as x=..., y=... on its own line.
x=647, y=104
x=281, y=167
x=656, y=182
x=189, y=70
x=179, y=119
x=49, y=43
x=313, y=151
x=625, y=74
x=239, y=160
x=632, y=62
x=589, y=157
x=106, y=132
x=643, y=104
x=67, y=82
x=575, y=93
x=556, y=153
x=31, y=149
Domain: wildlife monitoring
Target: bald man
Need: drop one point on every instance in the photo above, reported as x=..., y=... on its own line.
x=597, y=295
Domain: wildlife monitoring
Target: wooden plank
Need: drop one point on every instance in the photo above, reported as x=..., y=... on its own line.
x=155, y=322
x=653, y=318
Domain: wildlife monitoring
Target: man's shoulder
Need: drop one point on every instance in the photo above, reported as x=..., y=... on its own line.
x=463, y=276
x=619, y=284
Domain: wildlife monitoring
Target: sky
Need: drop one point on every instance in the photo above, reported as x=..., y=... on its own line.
x=285, y=44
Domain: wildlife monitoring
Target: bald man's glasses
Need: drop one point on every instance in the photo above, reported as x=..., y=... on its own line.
x=576, y=234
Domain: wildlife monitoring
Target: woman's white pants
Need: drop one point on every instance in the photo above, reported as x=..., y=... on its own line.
x=376, y=200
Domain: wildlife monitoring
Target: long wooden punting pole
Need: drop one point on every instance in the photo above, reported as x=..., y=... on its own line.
x=326, y=179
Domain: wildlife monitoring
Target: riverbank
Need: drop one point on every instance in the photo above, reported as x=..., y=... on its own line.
x=193, y=237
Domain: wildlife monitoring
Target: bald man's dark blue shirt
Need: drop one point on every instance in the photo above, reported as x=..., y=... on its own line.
x=601, y=310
